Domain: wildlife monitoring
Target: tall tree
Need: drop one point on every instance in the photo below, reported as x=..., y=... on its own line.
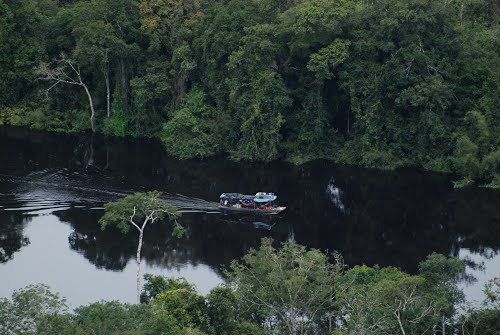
x=193, y=129
x=65, y=71
x=24, y=32
x=106, y=38
x=28, y=307
x=148, y=207
x=389, y=301
x=290, y=289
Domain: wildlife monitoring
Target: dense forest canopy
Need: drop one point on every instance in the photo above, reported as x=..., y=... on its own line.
x=381, y=83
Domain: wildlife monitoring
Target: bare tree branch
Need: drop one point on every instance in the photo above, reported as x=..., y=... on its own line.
x=58, y=75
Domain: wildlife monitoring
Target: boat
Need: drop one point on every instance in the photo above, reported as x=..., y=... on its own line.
x=260, y=203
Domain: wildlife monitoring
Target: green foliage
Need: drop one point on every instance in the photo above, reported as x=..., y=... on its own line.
x=441, y=276
x=384, y=83
x=139, y=207
x=388, y=300
x=155, y=285
x=381, y=159
x=479, y=321
x=290, y=289
x=223, y=312
x=476, y=156
x=485, y=320
x=103, y=318
x=146, y=207
x=314, y=21
x=16, y=116
x=28, y=309
x=491, y=165
x=116, y=124
x=192, y=130
x=492, y=290
x=23, y=25
x=112, y=317
x=326, y=59
x=179, y=310
x=263, y=119
x=74, y=120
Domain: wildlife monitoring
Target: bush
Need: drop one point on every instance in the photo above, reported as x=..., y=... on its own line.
x=190, y=133
x=115, y=125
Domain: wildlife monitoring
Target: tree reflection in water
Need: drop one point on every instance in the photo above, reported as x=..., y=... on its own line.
x=392, y=218
x=12, y=237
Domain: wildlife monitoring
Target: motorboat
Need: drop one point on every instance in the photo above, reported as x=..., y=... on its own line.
x=261, y=203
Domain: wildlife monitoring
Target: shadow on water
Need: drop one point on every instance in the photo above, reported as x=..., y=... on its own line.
x=214, y=242
x=392, y=218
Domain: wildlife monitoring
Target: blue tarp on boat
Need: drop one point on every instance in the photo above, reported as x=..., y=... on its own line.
x=236, y=196
x=261, y=197
x=264, y=198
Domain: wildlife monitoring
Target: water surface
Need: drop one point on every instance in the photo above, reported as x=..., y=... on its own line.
x=53, y=186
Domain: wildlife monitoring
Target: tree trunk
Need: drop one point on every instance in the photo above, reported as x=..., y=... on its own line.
x=123, y=83
x=108, y=95
x=398, y=317
x=138, y=260
x=92, y=112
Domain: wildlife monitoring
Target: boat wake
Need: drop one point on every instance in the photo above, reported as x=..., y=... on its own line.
x=47, y=191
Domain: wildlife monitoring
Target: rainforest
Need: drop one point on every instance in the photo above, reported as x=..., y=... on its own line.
x=376, y=83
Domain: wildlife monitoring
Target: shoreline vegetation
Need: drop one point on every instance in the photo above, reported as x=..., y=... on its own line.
x=285, y=290
x=381, y=84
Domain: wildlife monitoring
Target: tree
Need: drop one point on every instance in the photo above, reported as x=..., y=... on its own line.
x=441, y=276
x=192, y=130
x=225, y=315
x=391, y=80
x=492, y=290
x=56, y=73
x=287, y=290
x=95, y=43
x=102, y=31
x=476, y=158
x=24, y=26
x=222, y=310
x=148, y=207
x=262, y=108
x=155, y=285
x=28, y=308
x=112, y=317
x=389, y=301
x=476, y=320
x=179, y=310
x=384, y=301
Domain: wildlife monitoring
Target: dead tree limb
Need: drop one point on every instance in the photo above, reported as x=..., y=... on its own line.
x=57, y=73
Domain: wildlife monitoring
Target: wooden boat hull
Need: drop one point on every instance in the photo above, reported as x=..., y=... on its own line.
x=253, y=210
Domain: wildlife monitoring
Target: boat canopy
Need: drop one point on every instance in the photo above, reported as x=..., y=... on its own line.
x=260, y=197
x=264, y=198
x=236, y=196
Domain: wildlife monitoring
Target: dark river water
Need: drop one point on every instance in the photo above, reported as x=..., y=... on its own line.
x=53, y=186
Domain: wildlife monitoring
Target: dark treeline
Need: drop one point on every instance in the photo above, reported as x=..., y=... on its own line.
x=290, y=290
x=379, y=83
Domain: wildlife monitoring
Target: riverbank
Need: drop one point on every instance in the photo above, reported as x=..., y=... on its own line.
x=372, y=84
x=348, y=154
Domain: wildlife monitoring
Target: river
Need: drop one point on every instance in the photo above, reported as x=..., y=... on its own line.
x=53, y=187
